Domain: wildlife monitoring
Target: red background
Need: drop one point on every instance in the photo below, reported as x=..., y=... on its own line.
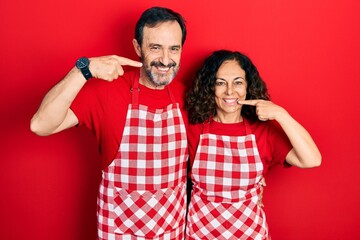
x=307, y=51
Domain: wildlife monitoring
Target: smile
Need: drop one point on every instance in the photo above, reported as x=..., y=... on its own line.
x=230, y=101
x=163, y=69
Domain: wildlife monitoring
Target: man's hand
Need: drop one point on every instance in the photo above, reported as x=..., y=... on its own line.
x=54, y=113
x=262, y=185
x=110, y=67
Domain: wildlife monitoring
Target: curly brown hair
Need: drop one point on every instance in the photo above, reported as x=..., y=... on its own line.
x=200, y=99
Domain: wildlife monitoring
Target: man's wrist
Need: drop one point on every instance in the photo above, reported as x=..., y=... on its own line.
x=83, y=65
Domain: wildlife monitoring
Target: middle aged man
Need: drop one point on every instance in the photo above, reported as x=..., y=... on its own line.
x=139, y=123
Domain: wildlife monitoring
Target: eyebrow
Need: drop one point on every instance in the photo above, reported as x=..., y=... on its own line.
x=159, y=45
x=154, y=45
x=233, y=79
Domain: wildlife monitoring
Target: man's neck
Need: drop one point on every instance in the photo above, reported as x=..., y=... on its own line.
x=144, y=80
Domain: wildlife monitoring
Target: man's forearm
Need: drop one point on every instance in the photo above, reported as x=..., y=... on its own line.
x=53, y=113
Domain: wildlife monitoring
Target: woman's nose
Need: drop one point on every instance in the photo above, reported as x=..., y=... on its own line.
x=229, y=89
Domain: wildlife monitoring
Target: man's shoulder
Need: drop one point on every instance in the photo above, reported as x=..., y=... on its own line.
x=178, y=88
x=177, y=84
x=127, y=78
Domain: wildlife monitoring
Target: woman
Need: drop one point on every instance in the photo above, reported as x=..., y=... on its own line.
x=236, y=134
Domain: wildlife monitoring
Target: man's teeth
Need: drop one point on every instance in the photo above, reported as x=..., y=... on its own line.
x=163, y=68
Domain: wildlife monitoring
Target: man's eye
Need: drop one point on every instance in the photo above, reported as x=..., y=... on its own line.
x=175, y=50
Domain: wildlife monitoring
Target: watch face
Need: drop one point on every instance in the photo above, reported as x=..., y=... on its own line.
x=82, y=63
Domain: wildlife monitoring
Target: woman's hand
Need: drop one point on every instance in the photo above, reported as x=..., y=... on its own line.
x=305, y=153
x=265, y=110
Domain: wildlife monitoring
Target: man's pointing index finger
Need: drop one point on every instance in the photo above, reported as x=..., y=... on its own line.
x=126, y=61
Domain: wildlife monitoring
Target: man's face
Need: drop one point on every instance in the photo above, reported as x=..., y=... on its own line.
x=160, y=53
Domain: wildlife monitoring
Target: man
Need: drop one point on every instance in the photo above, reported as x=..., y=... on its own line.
x=139, y=122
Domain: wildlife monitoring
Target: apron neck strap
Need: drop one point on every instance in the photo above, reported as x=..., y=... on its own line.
x=247, y=126
x=135, y=91
x=206, y=126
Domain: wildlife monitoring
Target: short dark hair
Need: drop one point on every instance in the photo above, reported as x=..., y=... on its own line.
x=155, y=15
x=200, y=100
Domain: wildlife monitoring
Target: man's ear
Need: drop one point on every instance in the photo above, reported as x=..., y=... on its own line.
x=137, y=47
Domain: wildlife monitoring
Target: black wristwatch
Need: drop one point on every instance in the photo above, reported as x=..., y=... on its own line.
x=83, y=65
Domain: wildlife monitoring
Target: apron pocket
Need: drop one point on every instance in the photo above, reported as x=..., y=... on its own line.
x=150, y=214
x=237, y=217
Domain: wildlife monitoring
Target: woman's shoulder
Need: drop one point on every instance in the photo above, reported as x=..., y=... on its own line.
x=262, y=125
x=267, y=129
x=196, y=126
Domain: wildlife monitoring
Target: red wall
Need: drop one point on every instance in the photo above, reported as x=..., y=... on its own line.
x=307, y=51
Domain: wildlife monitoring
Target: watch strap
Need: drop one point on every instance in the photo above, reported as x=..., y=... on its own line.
x=83, y=65
x=86, y=73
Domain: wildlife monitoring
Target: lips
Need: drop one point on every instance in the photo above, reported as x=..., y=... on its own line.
x=230, y=101
x=163, y=69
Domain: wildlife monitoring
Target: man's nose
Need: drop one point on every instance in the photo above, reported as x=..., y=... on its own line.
x=165, y=57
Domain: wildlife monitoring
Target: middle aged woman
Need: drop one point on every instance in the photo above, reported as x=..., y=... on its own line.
x=236, y=134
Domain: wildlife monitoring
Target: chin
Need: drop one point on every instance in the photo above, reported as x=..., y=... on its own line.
x=162, y=83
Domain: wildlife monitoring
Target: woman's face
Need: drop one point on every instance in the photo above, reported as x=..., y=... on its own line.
x=230, y=86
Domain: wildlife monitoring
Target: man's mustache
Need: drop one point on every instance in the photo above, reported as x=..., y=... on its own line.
x=159, y=64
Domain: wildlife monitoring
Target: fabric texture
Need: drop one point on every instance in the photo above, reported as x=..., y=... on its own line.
x=142, y=194
x=226, y=171
x=102, y=107
x=271, y=140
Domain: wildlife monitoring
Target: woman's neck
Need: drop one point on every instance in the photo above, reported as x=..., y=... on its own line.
x=228, y=118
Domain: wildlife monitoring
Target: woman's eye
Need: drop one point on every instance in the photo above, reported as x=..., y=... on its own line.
x=220, y=83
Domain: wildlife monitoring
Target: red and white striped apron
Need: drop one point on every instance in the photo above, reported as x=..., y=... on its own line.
x=226, y=173
x=143, y=191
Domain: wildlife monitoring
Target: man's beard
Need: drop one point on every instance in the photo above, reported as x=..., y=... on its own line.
x=158, y=79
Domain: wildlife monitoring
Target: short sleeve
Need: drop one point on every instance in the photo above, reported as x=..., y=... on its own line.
x=88, y=104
